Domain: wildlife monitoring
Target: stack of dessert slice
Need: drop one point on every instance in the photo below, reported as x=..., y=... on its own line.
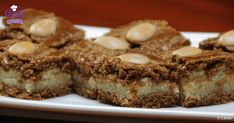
x=32, y=60
x=123, y=68
x=149, y=64
x=144, y=63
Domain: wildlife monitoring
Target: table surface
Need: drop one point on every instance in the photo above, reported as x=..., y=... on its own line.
x=199, y=15
x=10, y=119
x=185, y=15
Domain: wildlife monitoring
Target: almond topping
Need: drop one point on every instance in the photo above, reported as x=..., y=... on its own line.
x=112, y=43
x=134, y=58
x=187, y=51
x=43, y=27
x=227, y=39
x=22, y=48
x=141, y=32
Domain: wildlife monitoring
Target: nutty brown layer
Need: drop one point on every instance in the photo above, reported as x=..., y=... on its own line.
x=224, y=41
x=212, y=99
x=165, y=38
x=64, y=34
x=206, y=60
x=153, y=100
x=93, y=59
x=89, y=61
x=212, y=44
x=43, y=94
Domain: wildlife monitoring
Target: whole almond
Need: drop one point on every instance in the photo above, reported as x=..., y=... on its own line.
x=43, y=27
x=22, y=48
x=134, y=58
x=112, y=43
x=227, y=39
x=141, y=32
x=187, y=51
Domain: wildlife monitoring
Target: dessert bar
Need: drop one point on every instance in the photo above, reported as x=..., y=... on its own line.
x=122, y=67
x=32, y=60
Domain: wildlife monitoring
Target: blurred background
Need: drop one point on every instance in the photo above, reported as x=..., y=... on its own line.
x=184, y=15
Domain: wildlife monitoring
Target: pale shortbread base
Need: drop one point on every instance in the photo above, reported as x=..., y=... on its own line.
x=198, y=87
x=53, y=78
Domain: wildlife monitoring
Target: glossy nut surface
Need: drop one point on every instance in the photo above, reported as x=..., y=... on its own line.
x=141, y=32
x=187, y=51
x=22, y=48
x=43, y=27
x=227, y=39
x=112, y=43
x=134, y=58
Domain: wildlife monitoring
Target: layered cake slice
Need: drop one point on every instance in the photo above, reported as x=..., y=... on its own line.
x=126, y=79
x=206, y=76
x=32, y=60
x=33, y=71
x=122, y=67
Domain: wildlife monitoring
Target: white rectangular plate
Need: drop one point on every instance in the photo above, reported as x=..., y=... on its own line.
x=76, y=105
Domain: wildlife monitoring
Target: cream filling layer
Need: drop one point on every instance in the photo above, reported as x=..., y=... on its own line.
x=49, y=79
x=199, y=86
x=148, y=86
x=145, y=87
